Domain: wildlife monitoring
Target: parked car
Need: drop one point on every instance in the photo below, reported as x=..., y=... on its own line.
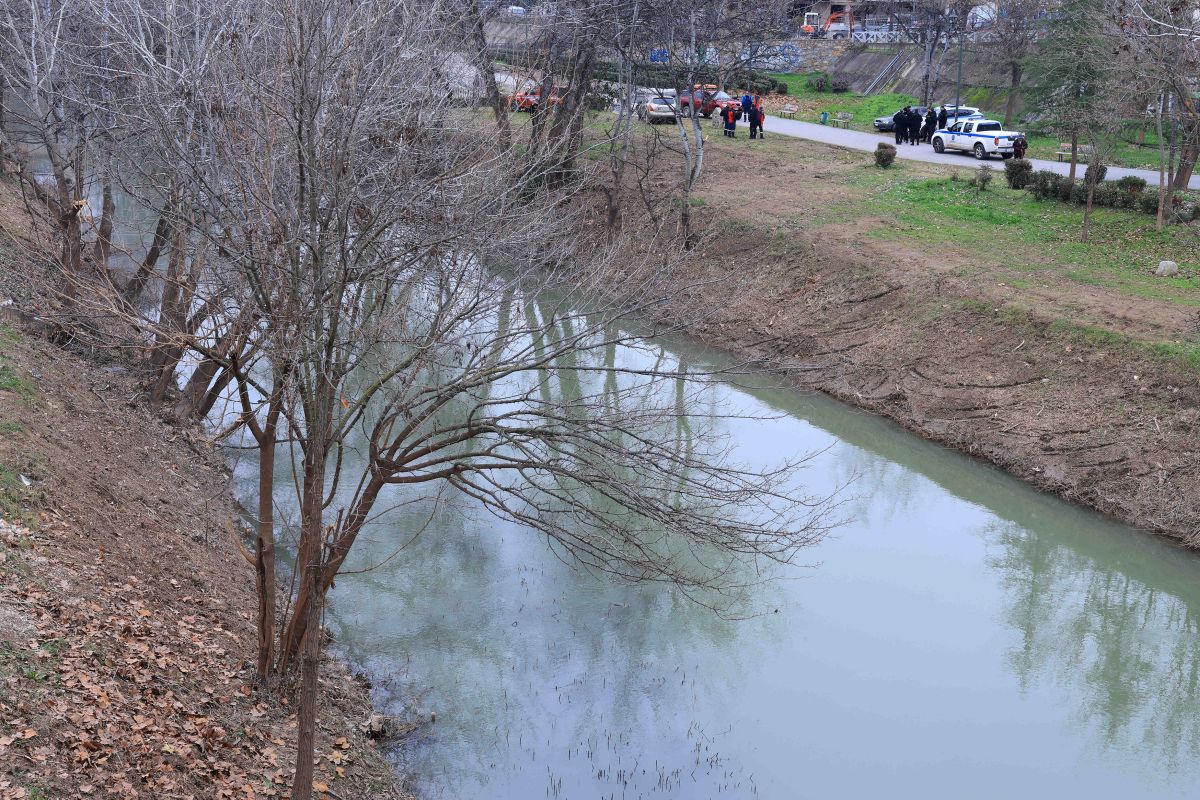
x=957, y=113
x=530, y=100
x=886, y=124
x=656, y=109
x=982, y=137
x=707, y=101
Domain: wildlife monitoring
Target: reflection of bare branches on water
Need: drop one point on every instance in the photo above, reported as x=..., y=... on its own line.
x=1127, y=654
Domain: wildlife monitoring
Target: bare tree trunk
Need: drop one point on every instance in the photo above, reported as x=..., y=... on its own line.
x=137, y=284
x=264, y=550
x=104, y=233
x=1074, y=157
x=1087, y=209
x=311, y=544
x=1014, y=89
x=487, y=73
x=1162, y=165
x=1187, y=164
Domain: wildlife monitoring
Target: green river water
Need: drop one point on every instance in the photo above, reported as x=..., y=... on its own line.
x=962, y=636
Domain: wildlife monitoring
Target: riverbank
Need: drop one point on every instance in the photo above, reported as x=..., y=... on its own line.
x=126, y=630
x=971, y=319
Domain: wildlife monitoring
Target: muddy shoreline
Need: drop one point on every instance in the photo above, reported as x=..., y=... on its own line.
x=1108, y=426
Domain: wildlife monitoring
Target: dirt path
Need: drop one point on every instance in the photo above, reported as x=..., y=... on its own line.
x=126, y=640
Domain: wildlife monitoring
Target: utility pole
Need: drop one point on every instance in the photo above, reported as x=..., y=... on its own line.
x=958, y=86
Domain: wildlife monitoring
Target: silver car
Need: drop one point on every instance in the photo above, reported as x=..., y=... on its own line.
x=656, y=109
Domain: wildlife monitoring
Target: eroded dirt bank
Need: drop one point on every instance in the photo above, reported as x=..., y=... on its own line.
x=994, y=372
x=126, y=639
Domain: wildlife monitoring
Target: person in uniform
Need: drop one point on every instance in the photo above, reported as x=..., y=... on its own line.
x=931, y=121
x=900, y=124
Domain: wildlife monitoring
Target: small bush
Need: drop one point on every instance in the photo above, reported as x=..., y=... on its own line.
x=983, y=176
x=1147, y=203
x=1098, y=169
x=781, y=87
x=1065, y=187
x=1018, y=172
x=819, y=82
x=839, y=84
x=1184, y=212
x=1079, y=193
x=885, y=154
x=1111, y=195
x=1044, y=184
x=1132, y=184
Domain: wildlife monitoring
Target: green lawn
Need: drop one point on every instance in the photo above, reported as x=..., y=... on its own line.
x=1023, y=233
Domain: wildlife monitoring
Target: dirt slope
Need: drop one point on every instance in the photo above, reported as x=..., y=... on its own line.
x=126, y=642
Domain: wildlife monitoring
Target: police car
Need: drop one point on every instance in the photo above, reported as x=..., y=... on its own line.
x=982, y=137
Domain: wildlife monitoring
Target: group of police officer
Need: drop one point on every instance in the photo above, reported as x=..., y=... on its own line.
x=912, y=129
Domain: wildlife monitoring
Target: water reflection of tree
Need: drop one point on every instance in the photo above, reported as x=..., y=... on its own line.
x=448, y=602
x=1126, y=653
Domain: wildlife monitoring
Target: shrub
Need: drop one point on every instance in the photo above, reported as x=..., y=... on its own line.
x=1018, y=172
x=1065, y=188
x=818, y=82
x=1044, y=184
x=1111, y=195
x=1184, y=212
x=1098, y=169
x=885, y=154
x=781, y=87
x=983, y=176
x=1132, y=184
x=1147, y=202
x=1078, y=193
x=839, y=84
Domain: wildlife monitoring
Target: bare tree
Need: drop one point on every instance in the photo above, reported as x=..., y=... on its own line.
x=373, y=280
x=1015, y=27
x=43, y=43
x=931, y=25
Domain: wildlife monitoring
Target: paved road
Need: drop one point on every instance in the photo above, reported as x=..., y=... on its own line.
x=858, y=140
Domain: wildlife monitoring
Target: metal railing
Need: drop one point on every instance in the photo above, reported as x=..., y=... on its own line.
x=885, y=72
x=877, y=36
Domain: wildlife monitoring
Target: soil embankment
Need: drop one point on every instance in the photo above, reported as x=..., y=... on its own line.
x=1088, y=413
x=126, y=632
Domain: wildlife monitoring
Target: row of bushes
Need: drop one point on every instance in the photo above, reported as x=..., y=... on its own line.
x=824, y=82
x=1128, y=192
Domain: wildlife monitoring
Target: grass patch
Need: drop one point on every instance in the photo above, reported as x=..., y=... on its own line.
x=1121, y=254
x=11, y=379
x=10, y=429
x=1185, y=354
x=18, y=502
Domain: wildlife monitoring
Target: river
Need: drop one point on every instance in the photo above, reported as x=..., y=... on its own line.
x=960, y=636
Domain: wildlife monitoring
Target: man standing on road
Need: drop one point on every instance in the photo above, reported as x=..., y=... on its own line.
x=762, y=116
x=931, y=119
x=747, y=105
x=900, y=124
x=913, y=130
x=942, y=118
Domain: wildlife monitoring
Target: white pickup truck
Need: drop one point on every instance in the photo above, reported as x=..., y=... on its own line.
x=983, y=137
